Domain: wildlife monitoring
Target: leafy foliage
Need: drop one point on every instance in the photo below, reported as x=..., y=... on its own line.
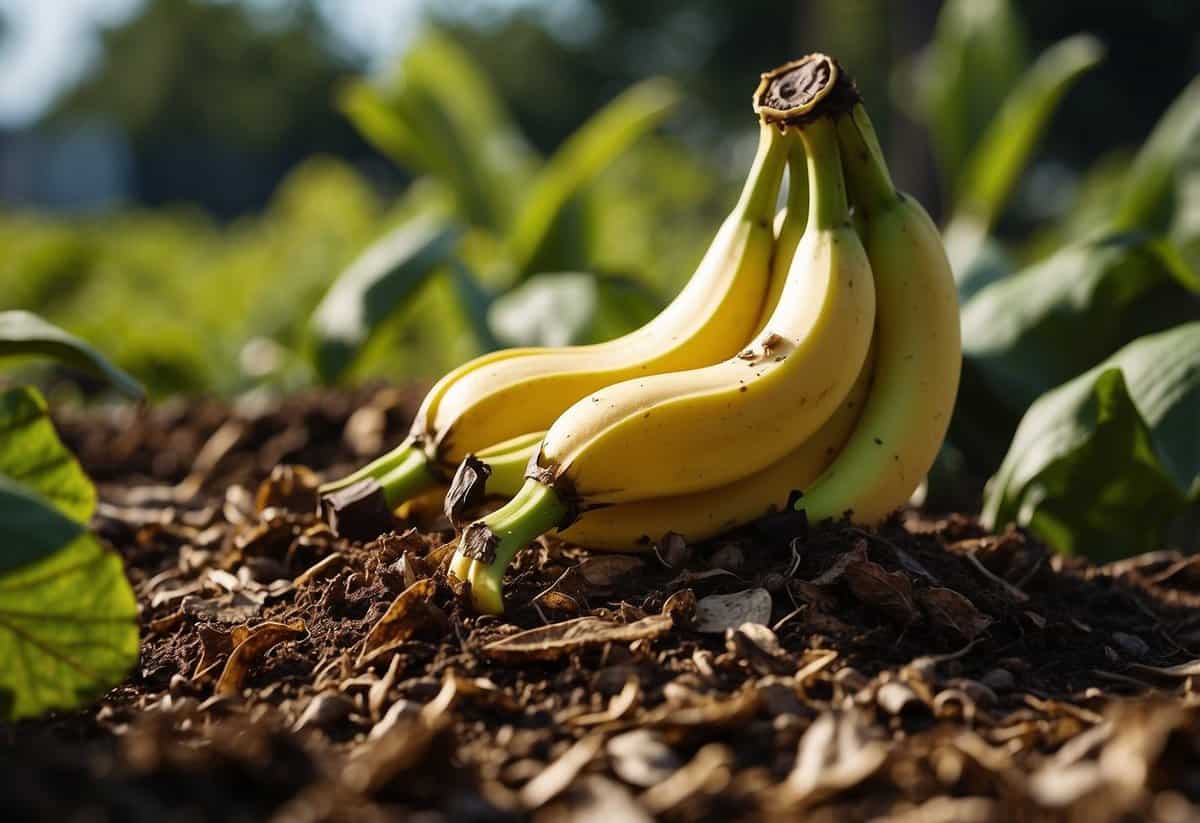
x=1101, y=464
x=24, y=333
x=68, y=617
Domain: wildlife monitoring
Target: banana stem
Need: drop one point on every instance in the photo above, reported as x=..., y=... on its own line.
x=376, y=469
x=862, y=159
x=762, y=185
x=797, y=196
x=536, y=509
x=828, y=206
x=407, y=478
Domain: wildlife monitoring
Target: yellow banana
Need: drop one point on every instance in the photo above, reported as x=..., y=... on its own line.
x=631, y=527
x=686, y=432
x=917, y=339
x=509, y=394
x=508, y=460
x=663, y=435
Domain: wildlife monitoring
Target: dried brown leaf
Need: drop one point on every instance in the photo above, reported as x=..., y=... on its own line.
x=562, y=772
x=603, y=571
x=950, y=610
x=707, y=773
x=718, y=613
x=559, y=639
x=641, y=758
x=249, y=646
x=758, y=646
x=889, y=592
x=835, y=754
x=408, y=614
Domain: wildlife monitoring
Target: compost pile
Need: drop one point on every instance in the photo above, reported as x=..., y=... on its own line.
x=924, y=671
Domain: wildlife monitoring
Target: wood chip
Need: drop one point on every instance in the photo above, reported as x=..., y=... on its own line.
x=560, y=639
x=719, y=613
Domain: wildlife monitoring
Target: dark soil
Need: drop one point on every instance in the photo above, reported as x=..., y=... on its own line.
x=924, y=671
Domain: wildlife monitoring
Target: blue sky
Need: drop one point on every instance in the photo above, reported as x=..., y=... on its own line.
x=52, y=43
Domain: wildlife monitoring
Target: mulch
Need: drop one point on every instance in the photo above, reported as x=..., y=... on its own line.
x=924, y=671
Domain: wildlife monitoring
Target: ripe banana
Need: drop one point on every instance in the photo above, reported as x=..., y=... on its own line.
x=511, y=393
x=508, y=460
x=917, y=339
x=632, y=527
x=693, y=430
x=698, y=430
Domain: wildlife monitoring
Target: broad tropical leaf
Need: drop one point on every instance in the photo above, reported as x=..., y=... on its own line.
x=24, y=333
x=32, y=456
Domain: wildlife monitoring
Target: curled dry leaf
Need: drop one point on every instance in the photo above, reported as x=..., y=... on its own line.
x=889, y=592
x=324, y=710
x=641, y=758
x=293, y=488
x=561, y=773
x=322, y=569
x=559, y=639
x=248, y=646
x=710, y=710
x=408, y=614
x=948, y=609
x=835, y=754
x=758, y=646
x=707, y=773
x=718, y=613
x=618, y=706
x=596, y=799
x=603, y=571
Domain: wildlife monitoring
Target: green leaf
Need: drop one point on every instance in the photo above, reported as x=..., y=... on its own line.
x=374, y=286
x=977, y=53
x=32, y=455
x=68, y=625
x=33, y=528
x=1150, y=182
x=584, y=155
x=439, y=114
x=997, y=160
x=1103, y=463
x=24, y=333
x=546, y=310
x=475, y=302
x=1037, y=328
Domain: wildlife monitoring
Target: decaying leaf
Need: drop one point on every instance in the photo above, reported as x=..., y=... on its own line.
x=641, y=758
x=718, y=613
x=562, y=772
x=293, y=488
x=707, y=773
x=836, y=753
x=602, y=571
x=758, y=646
x=248, y=646
x=948, y=609
x=408, y=614
x=889, y=592
x=559, y=639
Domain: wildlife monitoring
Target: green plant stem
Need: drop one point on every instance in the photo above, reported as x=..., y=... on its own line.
x=534, y=510
x=862, y=161
x=376, y=469
x=761, y=191
x=407, y=478
x=828, y=206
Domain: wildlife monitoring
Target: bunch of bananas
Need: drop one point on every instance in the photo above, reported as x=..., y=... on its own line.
x=811, y=358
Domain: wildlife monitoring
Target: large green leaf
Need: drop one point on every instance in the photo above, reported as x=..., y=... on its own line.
x=33, y=528
x=439, y=114
x=1036, y=329
x=585, y=154
x=569, y=308
x=994, y=164
x=977, y=53
x=23, y=333
x=475, y=301
x=374, y=286
x=1100, y=465
x=68, y=622
x=1150, y=183
x=32, y=455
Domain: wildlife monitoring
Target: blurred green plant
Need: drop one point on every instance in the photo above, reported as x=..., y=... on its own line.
x=493, y=212
x=1081, y=368
x=68, y=616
